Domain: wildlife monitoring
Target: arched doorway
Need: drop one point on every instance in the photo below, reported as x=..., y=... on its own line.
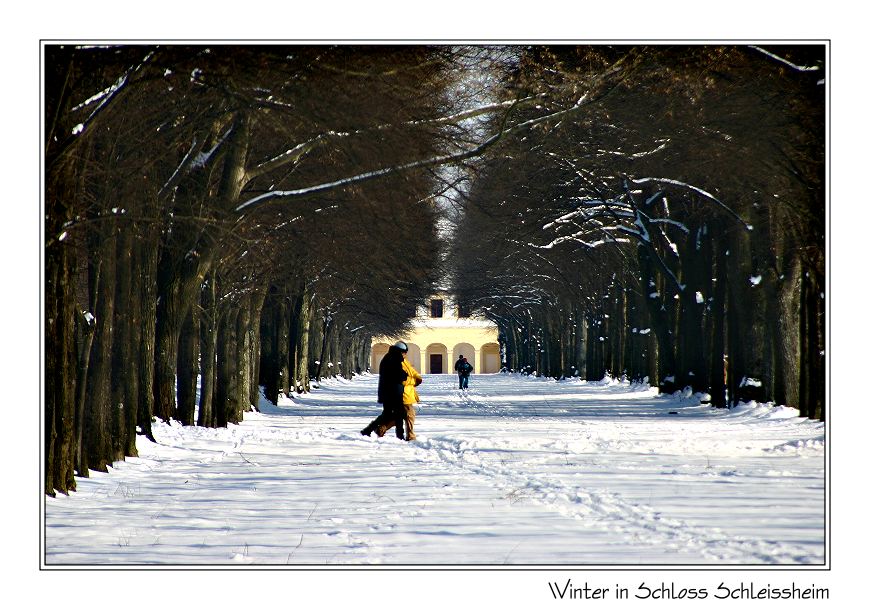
x=490, y=358
x=436, y=359
x=463, y=349
x=414, y=356
x=379, y=350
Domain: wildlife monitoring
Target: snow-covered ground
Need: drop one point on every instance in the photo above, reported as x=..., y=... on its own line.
x=515, y=471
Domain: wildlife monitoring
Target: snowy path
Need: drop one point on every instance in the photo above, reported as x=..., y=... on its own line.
x=515, y=471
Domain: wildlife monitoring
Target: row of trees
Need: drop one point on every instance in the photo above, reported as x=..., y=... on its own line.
x=673, y=228
x=251, y=216
x=244, y=216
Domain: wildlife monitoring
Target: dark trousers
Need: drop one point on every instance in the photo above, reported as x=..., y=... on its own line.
x=392, y=415
x=463, y=382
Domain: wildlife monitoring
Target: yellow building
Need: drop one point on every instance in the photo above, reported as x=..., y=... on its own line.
x=441, y=333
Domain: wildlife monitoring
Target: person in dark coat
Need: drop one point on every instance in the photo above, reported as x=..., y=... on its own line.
x=390, y=390
x=456, y=368
x=465, y=369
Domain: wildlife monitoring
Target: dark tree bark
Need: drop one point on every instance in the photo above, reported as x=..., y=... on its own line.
x=303, y=377
x=124, y=387
x=145, y=306
x=269, y=353
x=60, y=377
x=188, y=366
x=284, y=354
x=739, y=319
x=61, y=362
x=227, y=407
x=812, y=379
x=693, y=368
x=718, y=387
x=97, y=442
x=580, y=343
x=85, y=330
x=242, y=399
x=291, y=354
x=258, y=299
x=659, y=319
x=208, y=356
x=178, y=287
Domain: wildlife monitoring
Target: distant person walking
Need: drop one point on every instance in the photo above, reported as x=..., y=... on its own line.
x=456, y=368
x=464, y=367
x=391, y=389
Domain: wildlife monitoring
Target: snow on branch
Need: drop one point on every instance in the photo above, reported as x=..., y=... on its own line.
x=102, y=94
x=794, y=66
x=419, y=164
x=289, y=156
x=108, y=94
x=203, y=158
x=178, y=170
x=696, y=189
x=682, y=227
x=590, y=209
x=578, y=238
x=478, y=111
x=192, y=160
x=294, y=154
x=662, y=144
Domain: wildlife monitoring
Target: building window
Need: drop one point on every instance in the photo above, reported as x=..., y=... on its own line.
x=436, y=308
x=463, y=311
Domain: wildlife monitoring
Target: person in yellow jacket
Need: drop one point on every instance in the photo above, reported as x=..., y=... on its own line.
x=410, y=396
x=398, y=413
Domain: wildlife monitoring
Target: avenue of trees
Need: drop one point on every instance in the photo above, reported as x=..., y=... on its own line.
x=674, y=229
x=220, y=219
x=167, y=256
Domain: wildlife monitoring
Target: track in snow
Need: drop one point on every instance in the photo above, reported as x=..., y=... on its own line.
x=515, y=470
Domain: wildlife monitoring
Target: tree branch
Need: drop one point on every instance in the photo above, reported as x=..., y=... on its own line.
x=419, y=164
x=785, y=61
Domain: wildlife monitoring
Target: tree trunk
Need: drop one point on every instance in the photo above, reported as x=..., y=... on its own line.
x=266, y=370
x=646, y=350
x=145, y=304
x=188, y=366
x=812, y=381
x=660, y=322
x=580, y=344
x=242, y=345
x=61, y=318
x=258, y=298
x=227, y=407
x=595, y=352
x=692, y=367
x=99, y=407
x=60, y=363
x=619, y=321
x=303, y=378
x=719, y=331
x=131, y=368
x=766, y=317
x=222, y=370
x=123, y=386
x=208, y=356
x=741, y=336
x=325, y=329
x=285, y=355
x=178, y=286
x=787, y=389
x=86, y=328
